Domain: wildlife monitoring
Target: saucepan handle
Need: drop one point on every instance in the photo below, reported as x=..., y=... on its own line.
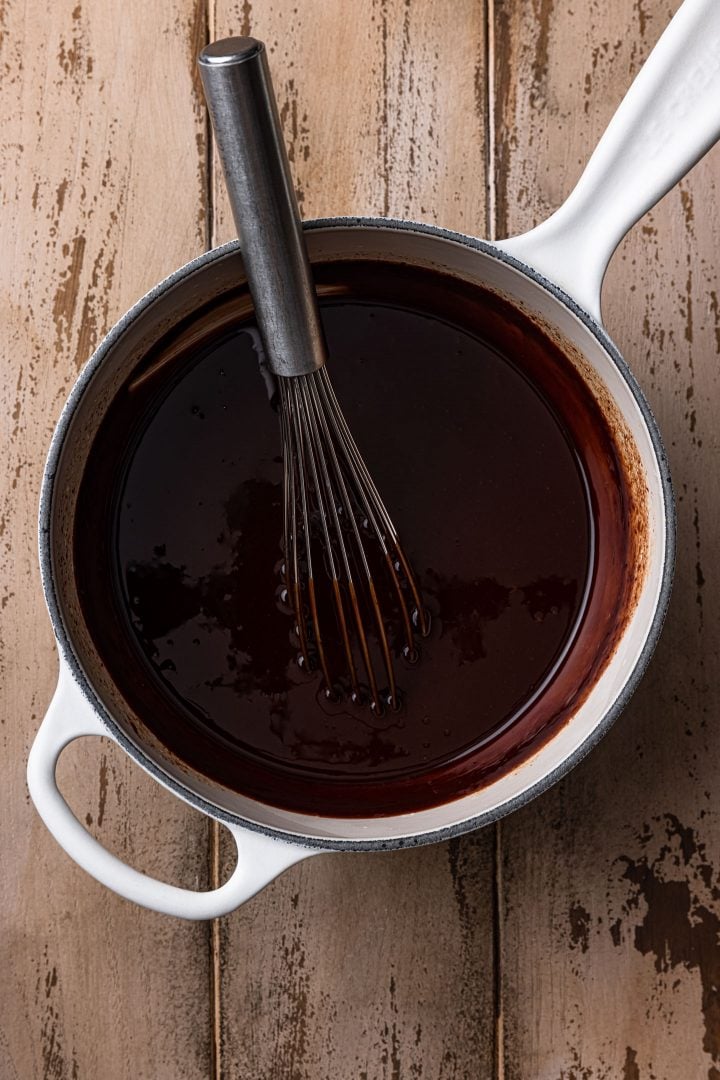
x=669, y=118
x=259, y=858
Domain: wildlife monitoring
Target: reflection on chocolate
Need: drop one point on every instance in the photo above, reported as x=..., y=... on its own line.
x=502, y=478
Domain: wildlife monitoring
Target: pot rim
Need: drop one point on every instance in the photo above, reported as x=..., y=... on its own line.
x=604, y=723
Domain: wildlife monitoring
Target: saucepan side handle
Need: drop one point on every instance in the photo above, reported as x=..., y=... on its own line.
x=259, y=858
x=669, y=118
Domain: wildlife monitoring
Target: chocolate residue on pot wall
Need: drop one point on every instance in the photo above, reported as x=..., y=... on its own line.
x=632, y=466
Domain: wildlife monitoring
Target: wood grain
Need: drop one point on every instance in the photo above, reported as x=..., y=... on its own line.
x=611, y=897
x=603, y=958
x=382, y=102
x=101, y=158
x=369, y=966
x=364, y=966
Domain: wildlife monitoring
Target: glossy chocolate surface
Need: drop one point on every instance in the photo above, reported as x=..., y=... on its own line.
x=505, y=484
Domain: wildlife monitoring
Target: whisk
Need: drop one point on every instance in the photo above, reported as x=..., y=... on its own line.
x=336, y=529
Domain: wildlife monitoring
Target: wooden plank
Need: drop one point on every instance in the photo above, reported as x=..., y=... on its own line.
x=382, y=103
x=102, y=194
x=611, y=887
x=364, y=966
x=373, y=966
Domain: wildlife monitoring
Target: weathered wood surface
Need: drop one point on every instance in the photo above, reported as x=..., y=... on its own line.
x=373, y=966
x=102, y=194
x=610, y=890
x=579, y=940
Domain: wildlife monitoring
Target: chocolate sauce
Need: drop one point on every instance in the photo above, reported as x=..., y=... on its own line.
x=500, y=474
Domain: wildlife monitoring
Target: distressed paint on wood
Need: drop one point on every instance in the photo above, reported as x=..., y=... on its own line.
x=382, y=104
x=369, y=966
x=377, y=965
x=101, y=155
x=611, y=895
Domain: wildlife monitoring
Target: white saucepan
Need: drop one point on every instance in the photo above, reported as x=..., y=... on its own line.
x=669, y=118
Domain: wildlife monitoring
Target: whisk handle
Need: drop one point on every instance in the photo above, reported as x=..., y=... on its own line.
x=241, y=103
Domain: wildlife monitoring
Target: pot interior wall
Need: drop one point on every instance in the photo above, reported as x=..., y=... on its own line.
x=209, y=278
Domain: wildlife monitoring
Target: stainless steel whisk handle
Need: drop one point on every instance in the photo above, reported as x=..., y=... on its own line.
x=244, y=116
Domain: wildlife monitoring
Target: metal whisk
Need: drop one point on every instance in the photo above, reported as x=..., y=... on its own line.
x=337, y=532
x=325, y=475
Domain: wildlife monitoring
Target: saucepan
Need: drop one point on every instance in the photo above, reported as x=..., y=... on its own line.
x=668, y=120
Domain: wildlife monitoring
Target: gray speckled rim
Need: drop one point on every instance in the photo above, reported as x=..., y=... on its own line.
x=469, y=825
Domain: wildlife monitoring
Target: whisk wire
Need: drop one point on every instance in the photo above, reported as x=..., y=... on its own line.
x=304, y=455
x=368, y=494
x=292, y=569
x=371, y=496
x=302, y=416
x=309, y=414
x=317, y=416
x=327, y=481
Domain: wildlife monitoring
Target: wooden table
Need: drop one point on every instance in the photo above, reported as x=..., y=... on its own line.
x=577, y=940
